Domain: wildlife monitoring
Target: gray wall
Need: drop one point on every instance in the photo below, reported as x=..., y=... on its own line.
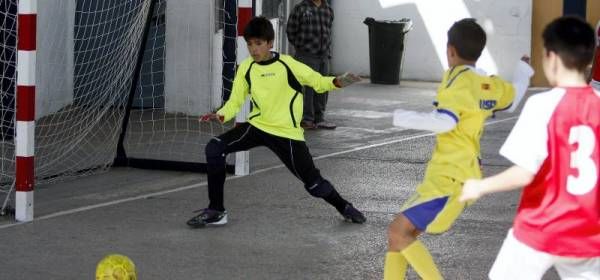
x=188, y=76
x=54, y=66
x=192, y=46
x=188, y=65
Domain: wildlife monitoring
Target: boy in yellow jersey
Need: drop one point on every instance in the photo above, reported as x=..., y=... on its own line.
x=274, y=83
x=465, y=99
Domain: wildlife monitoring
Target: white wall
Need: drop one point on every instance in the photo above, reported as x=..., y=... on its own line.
x=189, y=57
x=54, y=66
x=507, y=23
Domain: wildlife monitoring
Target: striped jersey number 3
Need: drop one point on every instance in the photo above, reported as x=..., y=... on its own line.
x=582, y=161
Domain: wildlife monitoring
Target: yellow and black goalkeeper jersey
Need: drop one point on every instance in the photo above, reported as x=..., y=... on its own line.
x=275, y=89
x=470, y=98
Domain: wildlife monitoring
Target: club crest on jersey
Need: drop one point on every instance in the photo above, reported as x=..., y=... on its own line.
x=485, y=86
x=487, y=104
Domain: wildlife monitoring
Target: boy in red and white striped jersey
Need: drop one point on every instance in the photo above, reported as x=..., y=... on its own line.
x=555, y=151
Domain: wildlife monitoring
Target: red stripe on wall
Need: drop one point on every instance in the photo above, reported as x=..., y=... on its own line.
x=244, y=16
x=25, y=103
x=27, y=32
x=25, y=174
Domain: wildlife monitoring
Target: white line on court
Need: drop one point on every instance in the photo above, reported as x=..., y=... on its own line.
x=201, y=184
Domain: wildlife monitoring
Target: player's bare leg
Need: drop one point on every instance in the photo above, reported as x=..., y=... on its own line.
x=404, y=248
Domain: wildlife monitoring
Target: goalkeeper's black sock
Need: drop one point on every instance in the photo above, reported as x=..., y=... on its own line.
x=336, y=200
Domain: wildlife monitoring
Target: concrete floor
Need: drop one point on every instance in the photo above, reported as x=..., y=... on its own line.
x=276, y=230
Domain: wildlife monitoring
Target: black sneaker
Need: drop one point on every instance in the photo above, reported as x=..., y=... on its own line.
x=325, y=125
x=308, y=125
x=352, y=214
x=208, y=217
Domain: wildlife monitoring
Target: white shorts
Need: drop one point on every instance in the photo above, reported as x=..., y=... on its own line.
x=517, y=261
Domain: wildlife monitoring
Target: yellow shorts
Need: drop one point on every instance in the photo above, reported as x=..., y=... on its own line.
x=435, y=206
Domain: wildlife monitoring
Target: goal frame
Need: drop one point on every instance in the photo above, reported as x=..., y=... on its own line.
x=24, y=178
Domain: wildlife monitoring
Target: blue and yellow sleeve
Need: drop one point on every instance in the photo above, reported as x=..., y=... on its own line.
x=506, y=92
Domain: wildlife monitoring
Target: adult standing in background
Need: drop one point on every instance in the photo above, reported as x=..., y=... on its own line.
x=309, y=31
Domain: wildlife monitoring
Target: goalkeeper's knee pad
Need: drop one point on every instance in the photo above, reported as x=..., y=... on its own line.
x=215, y=152
x=321, y=188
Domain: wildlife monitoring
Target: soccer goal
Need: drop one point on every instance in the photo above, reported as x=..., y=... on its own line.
x=90, y=84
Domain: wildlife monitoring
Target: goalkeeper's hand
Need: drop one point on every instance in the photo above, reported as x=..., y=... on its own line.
x=346, y=79
x=211, y=116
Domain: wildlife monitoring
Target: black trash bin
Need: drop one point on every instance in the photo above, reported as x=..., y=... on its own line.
x=386, y=48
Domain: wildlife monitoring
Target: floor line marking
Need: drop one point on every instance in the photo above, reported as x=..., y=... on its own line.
x=201, y=184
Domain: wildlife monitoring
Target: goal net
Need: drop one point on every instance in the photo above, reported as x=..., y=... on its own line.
x=8, y=57
x=105, y=94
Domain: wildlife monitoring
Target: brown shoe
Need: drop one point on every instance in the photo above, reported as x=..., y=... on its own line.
x=326, y=125
x=308, y=125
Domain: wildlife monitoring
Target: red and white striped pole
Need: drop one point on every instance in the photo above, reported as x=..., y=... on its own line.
x=25, y=127
x=244, y=15
x=596, y=63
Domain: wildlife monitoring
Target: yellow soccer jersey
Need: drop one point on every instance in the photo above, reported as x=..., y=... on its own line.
x=470, y=98
x=275, y=89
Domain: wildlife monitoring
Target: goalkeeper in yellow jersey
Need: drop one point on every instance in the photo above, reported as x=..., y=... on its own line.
x=274, y=83
x=466, y=97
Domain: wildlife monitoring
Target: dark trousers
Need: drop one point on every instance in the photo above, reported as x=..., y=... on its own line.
x=294, y=154
x=314, y=103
